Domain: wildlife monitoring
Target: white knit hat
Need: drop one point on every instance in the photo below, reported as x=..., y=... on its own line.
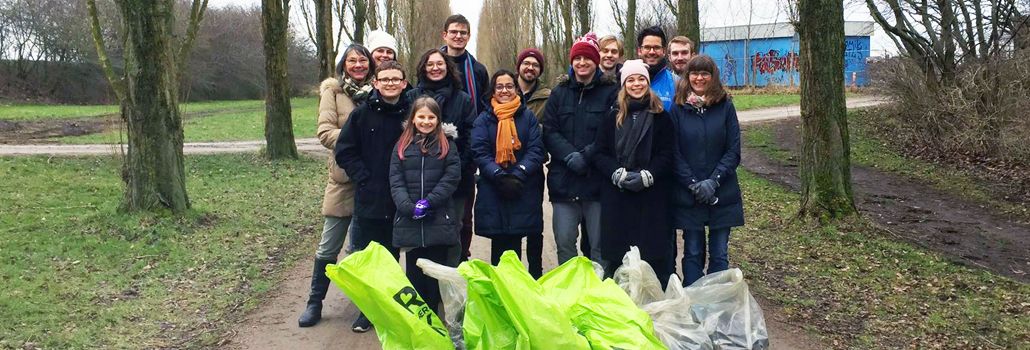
x=378, y=38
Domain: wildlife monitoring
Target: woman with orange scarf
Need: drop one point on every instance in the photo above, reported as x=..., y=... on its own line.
x=509, y=152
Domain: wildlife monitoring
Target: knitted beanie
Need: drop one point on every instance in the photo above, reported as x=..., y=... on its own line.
x=634, y=67
x=586, y=46
x=531, y=52
x=378, y=38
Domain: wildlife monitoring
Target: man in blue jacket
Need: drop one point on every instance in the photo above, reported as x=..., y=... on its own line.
x=651, y=44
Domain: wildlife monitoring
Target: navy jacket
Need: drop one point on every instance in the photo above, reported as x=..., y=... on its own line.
x=495, y=216
x=363, y=151
x=424, y=175
x=707, y=147
x=571, y=118
x=457, y=109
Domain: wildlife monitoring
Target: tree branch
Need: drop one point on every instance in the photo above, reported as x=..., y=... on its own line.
x=196, y=15
x=117, y=84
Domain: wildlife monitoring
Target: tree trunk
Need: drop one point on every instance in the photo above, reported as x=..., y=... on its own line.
x=361, y=10
x=688, y=22
x=629, y=36
x=278, y=122
x=154, y=174
x=825, y=154
x=584, y=12
x=324, y=38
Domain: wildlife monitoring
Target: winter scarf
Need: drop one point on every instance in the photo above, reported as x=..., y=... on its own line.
x=507, y=135
x=357, y=90
x=470, y=75
x=655, y=69
x=632, y=131
x=439, y=90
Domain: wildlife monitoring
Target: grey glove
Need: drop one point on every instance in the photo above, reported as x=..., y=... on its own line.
x=577, y=163
x=633, y=182
x=617, y=177
x=704, y=191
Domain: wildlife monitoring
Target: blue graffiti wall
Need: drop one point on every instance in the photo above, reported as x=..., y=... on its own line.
x=774, y=61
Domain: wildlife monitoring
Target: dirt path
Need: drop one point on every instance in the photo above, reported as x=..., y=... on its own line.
x=917, y=213
x=312, y=145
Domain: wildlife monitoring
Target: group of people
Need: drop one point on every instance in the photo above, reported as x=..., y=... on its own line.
x=634, y=151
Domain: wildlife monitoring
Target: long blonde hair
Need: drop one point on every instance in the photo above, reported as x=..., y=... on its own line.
x=623, y=103
x=409, y=128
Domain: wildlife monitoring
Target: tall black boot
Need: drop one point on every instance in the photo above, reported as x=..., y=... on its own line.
x=319, y=286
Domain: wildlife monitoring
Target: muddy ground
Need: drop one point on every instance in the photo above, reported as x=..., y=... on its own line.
x=964, y=231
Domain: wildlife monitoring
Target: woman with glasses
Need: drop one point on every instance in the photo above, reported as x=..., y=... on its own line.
x=707, y=156
x=338, y=98
x=509, y=152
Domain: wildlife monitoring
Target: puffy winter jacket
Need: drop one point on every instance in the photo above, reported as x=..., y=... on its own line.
x=457, y=109
x=424, y=176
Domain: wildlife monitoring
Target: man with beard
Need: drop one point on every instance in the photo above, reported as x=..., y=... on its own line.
x=681, y=50
x=651, y=43
x=611, y=55
x=530, y=65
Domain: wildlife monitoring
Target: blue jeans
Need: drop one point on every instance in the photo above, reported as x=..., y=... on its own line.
x=565, y=221
x=694, y=253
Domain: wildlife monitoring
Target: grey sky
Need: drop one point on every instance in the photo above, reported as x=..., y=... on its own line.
x=714, y=13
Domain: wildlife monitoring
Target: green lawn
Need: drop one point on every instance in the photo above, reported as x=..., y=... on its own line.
x=860, y=289
x=754, y=101
x=76, y=273
x=248, y=123
x=37, y=112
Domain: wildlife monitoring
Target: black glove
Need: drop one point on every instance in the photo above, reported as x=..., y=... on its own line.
x=577, y=163
x=509, y=186
x=704, y=191
x=633, y=182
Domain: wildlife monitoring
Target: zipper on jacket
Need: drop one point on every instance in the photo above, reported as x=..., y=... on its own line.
x=422, y=193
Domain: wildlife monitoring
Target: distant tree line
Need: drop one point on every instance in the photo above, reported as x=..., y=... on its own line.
x=47, y=54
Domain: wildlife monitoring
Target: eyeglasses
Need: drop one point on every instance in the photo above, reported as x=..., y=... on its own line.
x=504, y=87
x=651, y=48
x=390, y=81
x=701, y=74
x=458, y=32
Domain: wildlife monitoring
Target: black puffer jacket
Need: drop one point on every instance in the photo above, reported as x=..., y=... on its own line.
x=571, y=117
x=457, y=109
x=363, y=151
x=424, y=175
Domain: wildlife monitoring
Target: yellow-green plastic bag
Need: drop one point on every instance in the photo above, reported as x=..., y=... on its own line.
x=567, y=283
x=508, y=290
x=610, y=320
x=375, y=282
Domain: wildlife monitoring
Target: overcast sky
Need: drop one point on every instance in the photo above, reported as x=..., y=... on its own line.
x=714, y=13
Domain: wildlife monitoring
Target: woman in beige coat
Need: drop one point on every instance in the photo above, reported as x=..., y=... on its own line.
x=338, y=97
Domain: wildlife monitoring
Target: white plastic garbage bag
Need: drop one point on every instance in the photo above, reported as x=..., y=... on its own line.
x=638, y=279
x=730, y=315
x=452, y=294
x=674, y=324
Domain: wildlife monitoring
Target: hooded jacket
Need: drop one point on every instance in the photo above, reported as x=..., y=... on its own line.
x=363, y=150
x=457, y=109
x=571, y=117
x=425, y=176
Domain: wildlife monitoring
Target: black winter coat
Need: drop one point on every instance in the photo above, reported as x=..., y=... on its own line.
x=571, y=117
x=638, y=218
x=363, y=151
x=424, y=175
x=495, y=216
x=482, y=78
x=457, y=109
x=708, y=147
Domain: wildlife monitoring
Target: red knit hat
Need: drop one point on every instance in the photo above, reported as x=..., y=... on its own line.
x=531, y=52
x=586, y=46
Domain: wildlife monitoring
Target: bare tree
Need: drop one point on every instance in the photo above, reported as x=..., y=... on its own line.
x=825, y=163
x=278, y=120
x=687, y=18
x=148, y=94
x=626, y=21
x=497, y=44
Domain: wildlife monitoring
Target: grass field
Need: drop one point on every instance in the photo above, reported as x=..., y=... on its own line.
x=245, y=121
x=78, y=274
x=38, y=112
x=862, y=290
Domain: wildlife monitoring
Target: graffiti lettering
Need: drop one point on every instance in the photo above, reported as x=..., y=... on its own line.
x=772, y=62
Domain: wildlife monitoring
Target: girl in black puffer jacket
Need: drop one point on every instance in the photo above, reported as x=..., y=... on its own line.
x=425, y=169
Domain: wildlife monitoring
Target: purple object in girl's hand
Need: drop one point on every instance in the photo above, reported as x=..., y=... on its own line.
x=421, y=209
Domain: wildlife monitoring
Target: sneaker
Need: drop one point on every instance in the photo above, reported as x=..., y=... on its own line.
x=362, y=324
